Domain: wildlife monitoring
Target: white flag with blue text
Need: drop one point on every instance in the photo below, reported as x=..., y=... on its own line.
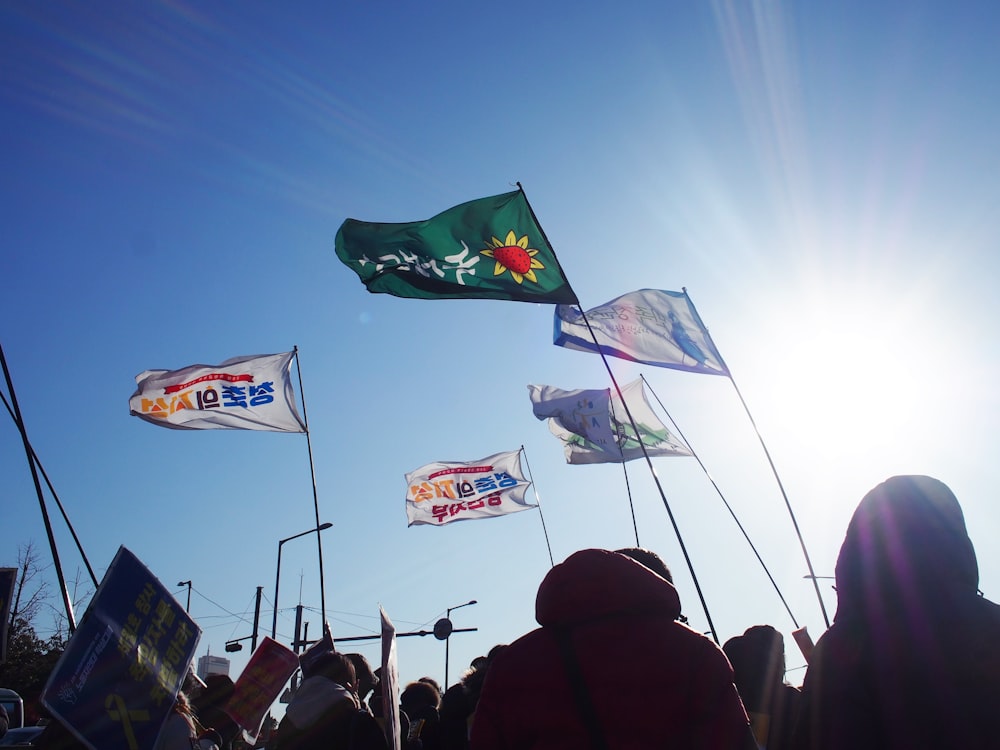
x=651, y=326
x=446, y=491
x=242, y=393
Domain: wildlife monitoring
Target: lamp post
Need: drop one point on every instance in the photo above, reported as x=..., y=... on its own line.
x=277, y=574
x=188, y=584
x=447, y=641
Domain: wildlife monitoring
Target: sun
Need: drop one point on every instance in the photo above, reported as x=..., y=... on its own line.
x=513, y=255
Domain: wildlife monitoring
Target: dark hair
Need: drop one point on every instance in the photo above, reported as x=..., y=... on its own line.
x=649, y=559
x=432, y=682
x=363, y=670
x=419, y=695
x=335, y=666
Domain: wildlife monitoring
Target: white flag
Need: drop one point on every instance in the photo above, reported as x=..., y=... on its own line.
x=447, y=491
x=389, y=683
x=243, y=393
x=651, y=326
x=594, y=426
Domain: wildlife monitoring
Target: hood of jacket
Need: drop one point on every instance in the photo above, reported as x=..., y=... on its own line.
x=314, y=698
x=906, y=553
x=595, y=583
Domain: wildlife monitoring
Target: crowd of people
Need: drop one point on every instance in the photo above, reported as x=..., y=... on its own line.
x=912, y=661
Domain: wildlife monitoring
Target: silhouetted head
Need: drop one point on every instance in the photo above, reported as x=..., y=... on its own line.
x=906, y=552
x=334, y=666
x=367, y=680
x=419, y=696
x=758, y=660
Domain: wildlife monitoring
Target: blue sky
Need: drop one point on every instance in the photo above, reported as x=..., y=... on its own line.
x=821, y=178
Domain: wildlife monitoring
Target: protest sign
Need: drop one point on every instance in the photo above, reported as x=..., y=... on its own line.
x=118, y=678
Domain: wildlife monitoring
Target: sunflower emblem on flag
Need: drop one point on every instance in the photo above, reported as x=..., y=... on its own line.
x=514, y=255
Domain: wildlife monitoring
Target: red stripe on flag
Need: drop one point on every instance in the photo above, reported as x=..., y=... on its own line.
x=213, y=376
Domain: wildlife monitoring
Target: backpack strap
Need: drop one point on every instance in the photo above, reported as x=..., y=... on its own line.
x=581, y=696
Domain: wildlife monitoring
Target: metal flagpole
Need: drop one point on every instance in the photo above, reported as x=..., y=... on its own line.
x=312, y=471
x=774, y=470
x=628, y=487
x=642, y=445
x=41, y=499
x=656, y=479
x=55, y=496
x=724, y=501
x=538, y=502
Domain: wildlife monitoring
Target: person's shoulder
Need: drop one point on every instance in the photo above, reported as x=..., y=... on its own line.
x=692, y=638
x=365, y=732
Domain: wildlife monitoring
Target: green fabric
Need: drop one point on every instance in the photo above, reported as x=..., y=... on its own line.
x=489, y=248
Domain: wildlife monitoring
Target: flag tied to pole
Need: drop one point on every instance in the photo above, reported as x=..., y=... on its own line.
x=594, y=427
x=490, y=248
x=446, y=491
x=243, y=393
x=650, y=326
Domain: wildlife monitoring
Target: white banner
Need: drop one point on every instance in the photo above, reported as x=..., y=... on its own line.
x=243, y=393
x=594, y=426
x=652, y=326
x=447, y=491
x=390, y=683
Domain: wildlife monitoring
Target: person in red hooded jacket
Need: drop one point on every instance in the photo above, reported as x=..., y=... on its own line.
x=610, y=667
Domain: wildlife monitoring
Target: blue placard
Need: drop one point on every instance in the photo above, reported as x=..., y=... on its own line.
x=116, y=683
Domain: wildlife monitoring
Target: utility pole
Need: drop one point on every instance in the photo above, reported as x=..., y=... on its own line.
x=256, y=620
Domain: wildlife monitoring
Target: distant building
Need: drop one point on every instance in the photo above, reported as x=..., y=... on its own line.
x=212, y=665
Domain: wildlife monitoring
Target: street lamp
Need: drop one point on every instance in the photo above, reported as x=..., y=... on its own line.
x=277, y=574
x=188, y=584
x=447, y=640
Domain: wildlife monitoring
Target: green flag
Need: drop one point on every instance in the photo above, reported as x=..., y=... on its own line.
x=489, y=248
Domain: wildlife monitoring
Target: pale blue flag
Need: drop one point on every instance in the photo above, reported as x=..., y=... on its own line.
x=650, y=326
x=595, y=429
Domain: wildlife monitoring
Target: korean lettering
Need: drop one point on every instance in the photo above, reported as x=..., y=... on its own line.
x=262, y=394
x=143, y=602
x=648, y=315
x=234, y=395
x=428, y=490
x=129, y=634
x=160, y=409
x=144, y=664
x=208, y=399
x=505, y=480
x=485, y=484
x=457, y=264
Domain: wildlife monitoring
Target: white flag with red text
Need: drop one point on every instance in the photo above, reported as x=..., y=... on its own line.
x=446, y=491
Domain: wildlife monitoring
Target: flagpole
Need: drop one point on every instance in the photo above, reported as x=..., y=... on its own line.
x=628, y=487
x=724, y=501
x=55, y=495
x=656, y=479
x=312, y=472
x=628, y=412
x=18, y=419
x=538, y=502
x=546, y=238
x=774, y=470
